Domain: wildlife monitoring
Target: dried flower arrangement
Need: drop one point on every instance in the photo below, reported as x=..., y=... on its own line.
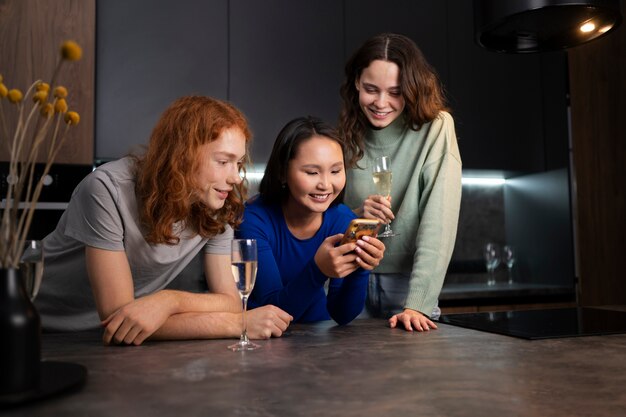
x=34, y=128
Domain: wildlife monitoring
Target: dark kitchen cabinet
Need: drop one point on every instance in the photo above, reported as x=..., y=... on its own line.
x=279, y=59
x=148, y=54
x=286, y=61
x=423, y=21
x=510, y=110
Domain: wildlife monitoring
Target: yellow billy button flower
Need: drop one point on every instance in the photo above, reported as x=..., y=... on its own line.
x=40, y=97
x=72, y=118
x=4, y=91
x=60, y=106
x=47, y=109
x=60, y=92
x=71, y=51
x=15, y=95
x=41, y=86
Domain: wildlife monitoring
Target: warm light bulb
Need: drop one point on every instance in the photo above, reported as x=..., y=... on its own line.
x=605, y=29
x=587, y=27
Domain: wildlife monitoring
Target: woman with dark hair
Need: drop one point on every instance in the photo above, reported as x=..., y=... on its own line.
x=134, y=225
x=393, y=105
x=298, y=221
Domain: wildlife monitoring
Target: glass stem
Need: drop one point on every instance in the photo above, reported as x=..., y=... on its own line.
x=244, y=330
x=388, y=225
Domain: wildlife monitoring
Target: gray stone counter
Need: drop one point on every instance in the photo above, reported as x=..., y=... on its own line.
x=363, y=369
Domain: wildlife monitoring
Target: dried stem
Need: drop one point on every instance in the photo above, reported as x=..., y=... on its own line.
x=4, y=126
x=31, y=209
x=24, y=225
x=22, y=186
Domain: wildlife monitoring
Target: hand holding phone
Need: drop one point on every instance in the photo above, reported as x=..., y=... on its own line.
x=359, y=228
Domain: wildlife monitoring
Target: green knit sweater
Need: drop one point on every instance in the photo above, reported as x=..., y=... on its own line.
x=425, y=199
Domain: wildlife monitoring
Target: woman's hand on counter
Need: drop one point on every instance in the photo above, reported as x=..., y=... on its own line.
x=267, y=321
x=412, y=320
x=137, y=320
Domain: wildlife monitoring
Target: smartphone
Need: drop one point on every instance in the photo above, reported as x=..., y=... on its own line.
x=359, y=228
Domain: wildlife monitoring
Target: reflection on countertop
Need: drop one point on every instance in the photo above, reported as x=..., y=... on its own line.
x=480, y=290
x=466, y=283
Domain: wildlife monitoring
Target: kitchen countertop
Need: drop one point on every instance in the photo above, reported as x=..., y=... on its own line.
x=363, y=369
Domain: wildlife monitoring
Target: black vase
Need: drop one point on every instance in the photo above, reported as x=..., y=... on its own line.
x=20, y=336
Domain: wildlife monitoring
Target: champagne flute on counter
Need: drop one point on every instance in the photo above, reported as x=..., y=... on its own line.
x=381, y=174
x=31, y=266
x=492, y=260
x=244, y=267
x=508, y=256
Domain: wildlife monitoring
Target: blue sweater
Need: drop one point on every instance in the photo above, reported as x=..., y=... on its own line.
x=288, y=276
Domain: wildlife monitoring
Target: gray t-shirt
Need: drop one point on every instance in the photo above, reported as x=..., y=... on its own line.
x=102, y=213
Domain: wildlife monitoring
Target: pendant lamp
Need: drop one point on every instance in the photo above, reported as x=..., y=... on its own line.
x=525, y=26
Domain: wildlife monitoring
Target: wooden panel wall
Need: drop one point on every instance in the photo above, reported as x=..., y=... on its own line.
x=598, y=104
x=31, y=32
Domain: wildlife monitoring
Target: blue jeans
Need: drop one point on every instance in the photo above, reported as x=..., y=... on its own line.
x=386, y=295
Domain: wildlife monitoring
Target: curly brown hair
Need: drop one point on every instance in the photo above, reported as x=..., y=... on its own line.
x=165, y=173
x=421, y=89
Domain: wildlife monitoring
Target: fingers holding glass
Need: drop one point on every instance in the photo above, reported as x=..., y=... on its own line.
x=382, y=177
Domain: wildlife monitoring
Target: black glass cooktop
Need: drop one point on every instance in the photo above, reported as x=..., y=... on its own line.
x=543, y=324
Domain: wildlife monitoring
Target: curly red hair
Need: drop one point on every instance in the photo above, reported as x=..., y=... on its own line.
x=165, y=174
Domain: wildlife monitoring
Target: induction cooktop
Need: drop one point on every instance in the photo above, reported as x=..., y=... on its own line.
x=543, y=324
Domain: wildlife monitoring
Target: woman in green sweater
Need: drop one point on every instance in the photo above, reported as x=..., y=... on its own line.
x=393, y=105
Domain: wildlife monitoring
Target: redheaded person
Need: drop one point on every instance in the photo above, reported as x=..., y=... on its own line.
x=128, y=252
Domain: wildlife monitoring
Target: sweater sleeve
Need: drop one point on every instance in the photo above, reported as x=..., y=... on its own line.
x=439, y=212
x=298, y=294
x=346, y=296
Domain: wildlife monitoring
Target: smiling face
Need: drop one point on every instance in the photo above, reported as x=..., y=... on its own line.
x=315, y=176
x=380, y=95
x=218, y=170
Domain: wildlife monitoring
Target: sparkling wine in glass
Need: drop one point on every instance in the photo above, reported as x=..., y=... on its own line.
x=508, y=256
x=31, y=267
x=492, y=260
x=244, y=266
x=381, y=174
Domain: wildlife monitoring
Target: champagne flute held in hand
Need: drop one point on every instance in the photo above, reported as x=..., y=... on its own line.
x=381, y=174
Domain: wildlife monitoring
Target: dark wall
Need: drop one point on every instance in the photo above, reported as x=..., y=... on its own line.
x=285, y=61
x=539, y=226
x=275, y=60
x=278, y=59
x=598, y=94
x=149, y=52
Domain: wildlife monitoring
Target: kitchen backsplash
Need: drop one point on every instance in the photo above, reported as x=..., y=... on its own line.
x=481, y=220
